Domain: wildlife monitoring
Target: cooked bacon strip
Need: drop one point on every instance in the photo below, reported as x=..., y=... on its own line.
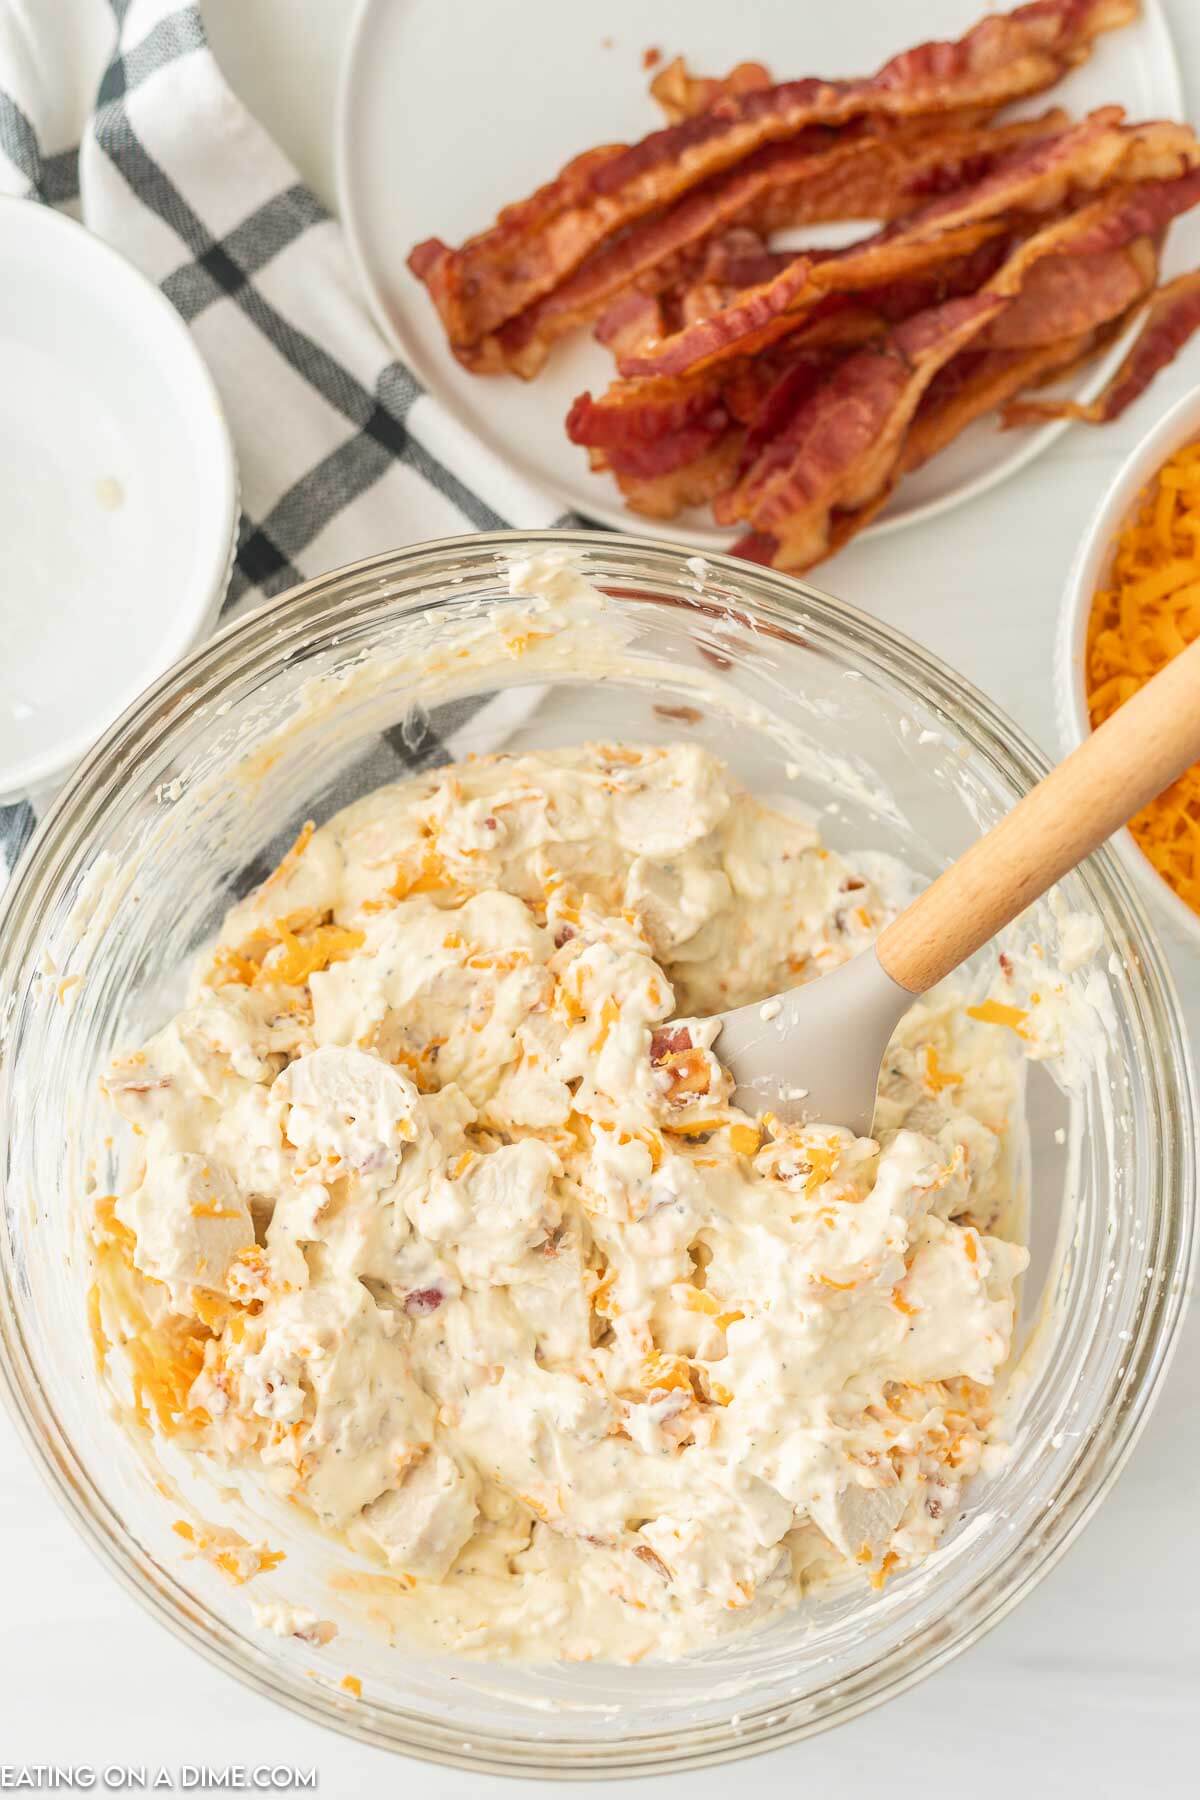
x=537, y=242
x=762, y=547
x=621, y=421
x=630, y=322
x=666, y=454
x=1100, y=340
x=683, y=95
x=763, y=315
x=740, y=258
x=776, y=496
x=1173, y=317
x=637, y=412
x=1143, y=209
x=821, y=176
x=1067, y=295
x=801, y=363
x=695, y=484
x=840, y=448
x=1038, y=288
x=886, y=175
x=1037, y=179
x=652, y=248
x=988, y=379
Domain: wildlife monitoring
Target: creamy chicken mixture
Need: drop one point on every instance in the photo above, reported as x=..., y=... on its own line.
x=445, y=1228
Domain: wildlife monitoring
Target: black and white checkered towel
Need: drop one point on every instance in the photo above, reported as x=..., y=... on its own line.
x=117, y=111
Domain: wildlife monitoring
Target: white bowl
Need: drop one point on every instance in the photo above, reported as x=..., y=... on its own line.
x=118, y=492
x=1180, y=426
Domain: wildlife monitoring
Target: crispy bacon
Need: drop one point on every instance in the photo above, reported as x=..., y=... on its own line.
x=537, y=242
x=683, y=95
x=664, y=455
x=884, y=175
x=763, y=315
x=777, y=497
x=637, y=412
x=820, y=176
x=695, y=484
x=1143, y=209
x=840, y=448
x=1035, y=179
x=983, y=382
x=740, y=258
x=1067, y=295
x=625, y=420
x=630, y=322
x=1173, y=317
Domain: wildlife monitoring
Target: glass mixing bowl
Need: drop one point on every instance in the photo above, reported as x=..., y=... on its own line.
x=287, y=715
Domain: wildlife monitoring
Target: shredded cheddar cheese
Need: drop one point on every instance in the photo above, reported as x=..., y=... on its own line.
x=937, y=1078
x=1147, y=612
x=996, y=1012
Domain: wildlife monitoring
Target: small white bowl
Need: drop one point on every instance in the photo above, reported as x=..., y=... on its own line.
x=1180, y=426
x=118, y=491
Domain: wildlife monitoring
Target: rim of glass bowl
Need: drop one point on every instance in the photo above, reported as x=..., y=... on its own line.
x=346, y=596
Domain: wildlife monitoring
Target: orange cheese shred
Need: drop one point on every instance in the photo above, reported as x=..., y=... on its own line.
x=1145, y=614
x=995, y=1012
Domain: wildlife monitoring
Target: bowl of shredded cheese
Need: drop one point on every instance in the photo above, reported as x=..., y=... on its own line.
x=1133, y=603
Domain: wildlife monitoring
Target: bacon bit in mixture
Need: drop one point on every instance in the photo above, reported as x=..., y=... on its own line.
x=423, y=1301
x=996, y=1012
x=669, y=1040
x=1144, y=615
x=686, y=715
x=319, y=1634
x=652, y=1560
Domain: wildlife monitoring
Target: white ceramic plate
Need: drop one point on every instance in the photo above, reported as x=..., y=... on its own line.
x=451, y=108
x=118, y=496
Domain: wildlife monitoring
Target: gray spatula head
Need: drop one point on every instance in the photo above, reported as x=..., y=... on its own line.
x=813, y=1053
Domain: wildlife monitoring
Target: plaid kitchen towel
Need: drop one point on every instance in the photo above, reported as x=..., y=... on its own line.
x=116, y=111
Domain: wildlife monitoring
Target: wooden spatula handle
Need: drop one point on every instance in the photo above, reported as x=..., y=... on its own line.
x=1134, y=755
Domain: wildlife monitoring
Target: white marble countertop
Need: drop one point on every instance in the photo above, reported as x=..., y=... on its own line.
x=1093, y=1684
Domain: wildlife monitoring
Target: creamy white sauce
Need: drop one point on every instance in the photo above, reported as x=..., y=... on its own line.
x=498, y=1285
